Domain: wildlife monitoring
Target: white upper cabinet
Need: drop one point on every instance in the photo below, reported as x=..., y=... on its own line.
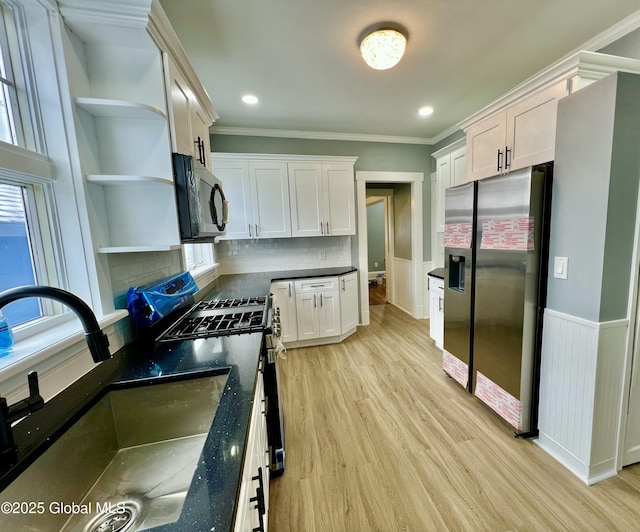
x=258, y=195
x=270, y=199
x=339, y=194
x=278, y=196
x=531, y=128
x=307, y=199
x=520, y=136
x=450, y=171
x=322, y=199
x=485, y=147
x=189, y=119
x=234, y=175
x=518, y=129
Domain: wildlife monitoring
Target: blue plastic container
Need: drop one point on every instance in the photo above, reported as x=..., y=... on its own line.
x=148, y=304
x=6, y=337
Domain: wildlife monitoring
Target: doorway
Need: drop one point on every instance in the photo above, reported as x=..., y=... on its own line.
x=404, y=270
x=380, y=244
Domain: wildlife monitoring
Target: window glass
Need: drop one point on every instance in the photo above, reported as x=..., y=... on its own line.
x=17, y=266
x=20, y=123
x=7, y=130
x=198, y=256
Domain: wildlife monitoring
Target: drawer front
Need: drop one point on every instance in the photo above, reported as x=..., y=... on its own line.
x=435, y=283
x=315, y=285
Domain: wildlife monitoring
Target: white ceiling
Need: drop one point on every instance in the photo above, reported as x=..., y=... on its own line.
x=300, y=57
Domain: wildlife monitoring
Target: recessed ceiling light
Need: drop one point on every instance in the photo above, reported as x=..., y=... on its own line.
x=425, y=111
x=250, y=99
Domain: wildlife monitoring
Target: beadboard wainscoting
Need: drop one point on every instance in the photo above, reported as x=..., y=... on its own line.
x=277, y=254
x=403, y=286
x=581, y=387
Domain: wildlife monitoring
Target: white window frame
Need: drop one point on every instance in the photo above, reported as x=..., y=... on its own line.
x=57, y=342
x=205, y=268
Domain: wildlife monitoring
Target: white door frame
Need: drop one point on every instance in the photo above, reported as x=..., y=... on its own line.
x=415, y=179
x=630, y=376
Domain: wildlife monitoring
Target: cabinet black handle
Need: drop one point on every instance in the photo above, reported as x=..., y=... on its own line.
x=201, y=157
x=259, y=498
x=507, y=162
x=499, y=160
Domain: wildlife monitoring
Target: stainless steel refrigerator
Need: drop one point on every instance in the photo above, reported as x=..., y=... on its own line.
x=496, y=256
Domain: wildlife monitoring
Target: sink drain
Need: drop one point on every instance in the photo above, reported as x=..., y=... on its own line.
x=119, y=519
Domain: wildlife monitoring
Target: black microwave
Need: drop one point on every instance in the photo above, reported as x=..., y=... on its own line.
x=202, y=207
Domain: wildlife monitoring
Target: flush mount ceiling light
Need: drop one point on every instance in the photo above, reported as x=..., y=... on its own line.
x=250, y=99
x=425, y=111
x=382, y=45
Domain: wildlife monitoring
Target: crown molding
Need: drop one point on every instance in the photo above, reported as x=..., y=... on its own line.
x=218, y=155
x=444, y=134
x=583, y=61
x=456, y=145
x=108, y=23
x=316, y=135
x=167, y=40
x=614, y=33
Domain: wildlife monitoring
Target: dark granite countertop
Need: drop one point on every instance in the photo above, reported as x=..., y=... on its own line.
x=438, y=272
x=254, y=284
x=212, y=497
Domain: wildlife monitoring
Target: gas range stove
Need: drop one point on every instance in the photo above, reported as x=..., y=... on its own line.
x=221, y=317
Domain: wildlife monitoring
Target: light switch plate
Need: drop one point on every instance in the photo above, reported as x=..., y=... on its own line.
x=560, y=266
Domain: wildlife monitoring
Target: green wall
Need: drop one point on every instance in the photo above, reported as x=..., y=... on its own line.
x=402, y=220
x=372, y=156
x=375, y=236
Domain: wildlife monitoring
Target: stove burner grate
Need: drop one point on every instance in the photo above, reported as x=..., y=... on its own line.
x=193, y=327
x=232, y=303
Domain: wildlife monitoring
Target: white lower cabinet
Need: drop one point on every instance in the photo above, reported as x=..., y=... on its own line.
x=348, y=285
x=285, y=300
x=317, y=308
x=436, y=310
x=316, y=311
x=253, y=502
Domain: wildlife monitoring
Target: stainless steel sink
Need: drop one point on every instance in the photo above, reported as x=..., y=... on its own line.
x=125, y=465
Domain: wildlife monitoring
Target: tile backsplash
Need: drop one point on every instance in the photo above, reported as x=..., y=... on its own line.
x=137, y=269
x=277, y=254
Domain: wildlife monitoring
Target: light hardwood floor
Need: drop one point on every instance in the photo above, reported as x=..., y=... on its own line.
x=378, y=438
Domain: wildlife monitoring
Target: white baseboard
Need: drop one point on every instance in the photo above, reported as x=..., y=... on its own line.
x=589, y=474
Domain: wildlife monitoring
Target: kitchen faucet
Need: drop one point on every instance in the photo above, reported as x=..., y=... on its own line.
x=96, y=340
